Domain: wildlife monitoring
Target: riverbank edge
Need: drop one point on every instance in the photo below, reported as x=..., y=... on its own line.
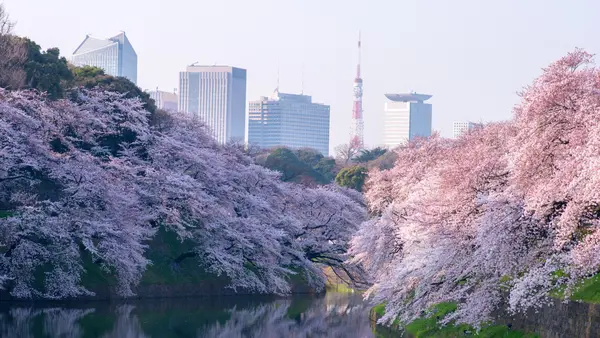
x=159, y=291
x=425, y=325
x=209, y=288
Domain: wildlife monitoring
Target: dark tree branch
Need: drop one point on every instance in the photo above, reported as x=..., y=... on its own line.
x=185, y=255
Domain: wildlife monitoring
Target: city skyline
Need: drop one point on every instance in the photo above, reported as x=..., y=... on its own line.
x=435, y=50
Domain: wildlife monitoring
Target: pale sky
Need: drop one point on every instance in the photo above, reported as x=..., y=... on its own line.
x=471, y=55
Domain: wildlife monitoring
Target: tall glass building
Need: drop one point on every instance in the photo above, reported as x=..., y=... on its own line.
x=164, y=100
x=216, y=95
x=289, y=120
x=406, y=117
x=115, y=55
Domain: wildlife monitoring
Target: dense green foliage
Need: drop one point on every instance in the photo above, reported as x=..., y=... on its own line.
x=588, y=290
x=324, y=166
x=367, y=155
x=352, y=177
x=307, y=165
x=309, y=156
x=90, y=77
x=46, y=70
x=302, y=165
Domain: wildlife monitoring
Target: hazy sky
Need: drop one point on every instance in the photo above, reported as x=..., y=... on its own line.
x=472, y=56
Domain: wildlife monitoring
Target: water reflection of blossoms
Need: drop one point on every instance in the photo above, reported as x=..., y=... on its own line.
x=330, y=316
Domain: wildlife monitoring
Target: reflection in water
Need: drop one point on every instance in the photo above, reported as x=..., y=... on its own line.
x=58, y=322
x=332, y=315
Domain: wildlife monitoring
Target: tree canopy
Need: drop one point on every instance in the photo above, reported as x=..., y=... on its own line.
x=46, y=70
x=352, y=177
x=504, y=216
x=65, y=195
x=301, y=165
x=367, y=155
x=90, y=77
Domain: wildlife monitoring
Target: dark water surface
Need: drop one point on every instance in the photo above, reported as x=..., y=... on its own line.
x=330, y=315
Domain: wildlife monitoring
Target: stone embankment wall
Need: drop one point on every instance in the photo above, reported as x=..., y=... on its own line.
x=559, y=320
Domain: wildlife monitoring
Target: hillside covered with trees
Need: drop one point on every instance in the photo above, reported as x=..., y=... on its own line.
x=89, y=175
x=93, y=178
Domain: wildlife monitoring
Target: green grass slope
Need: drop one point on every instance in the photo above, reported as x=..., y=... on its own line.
x=429, y=326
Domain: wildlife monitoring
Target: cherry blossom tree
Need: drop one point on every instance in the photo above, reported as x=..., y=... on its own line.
x=88, y=178
x=64, y=197
x=503, y=215
x=244, y=215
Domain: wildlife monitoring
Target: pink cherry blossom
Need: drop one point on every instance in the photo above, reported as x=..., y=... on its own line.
x=501, y=215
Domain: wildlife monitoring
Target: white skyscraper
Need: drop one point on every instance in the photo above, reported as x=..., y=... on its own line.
x=114, y=55
x=164, y=100
x=460, y=128
x=216, y=95
x=406, y=117
x=289, y=120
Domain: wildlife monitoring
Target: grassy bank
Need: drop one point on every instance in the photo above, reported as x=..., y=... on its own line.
x=429, y=325
x=588, y=290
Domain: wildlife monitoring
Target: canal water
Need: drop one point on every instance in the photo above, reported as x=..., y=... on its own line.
x=330, y=315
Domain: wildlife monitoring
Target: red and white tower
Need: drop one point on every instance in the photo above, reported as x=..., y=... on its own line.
x=357, y=126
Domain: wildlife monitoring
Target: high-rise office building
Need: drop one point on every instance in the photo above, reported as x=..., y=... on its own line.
x=115, y=55
x=406, y=117
x=289, y=120
x=164, y=100
x=462, y=127
x=217, y=96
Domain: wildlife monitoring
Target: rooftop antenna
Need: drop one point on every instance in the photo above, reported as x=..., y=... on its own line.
x=359, y=47
x=193, y=64
x=277, y=76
